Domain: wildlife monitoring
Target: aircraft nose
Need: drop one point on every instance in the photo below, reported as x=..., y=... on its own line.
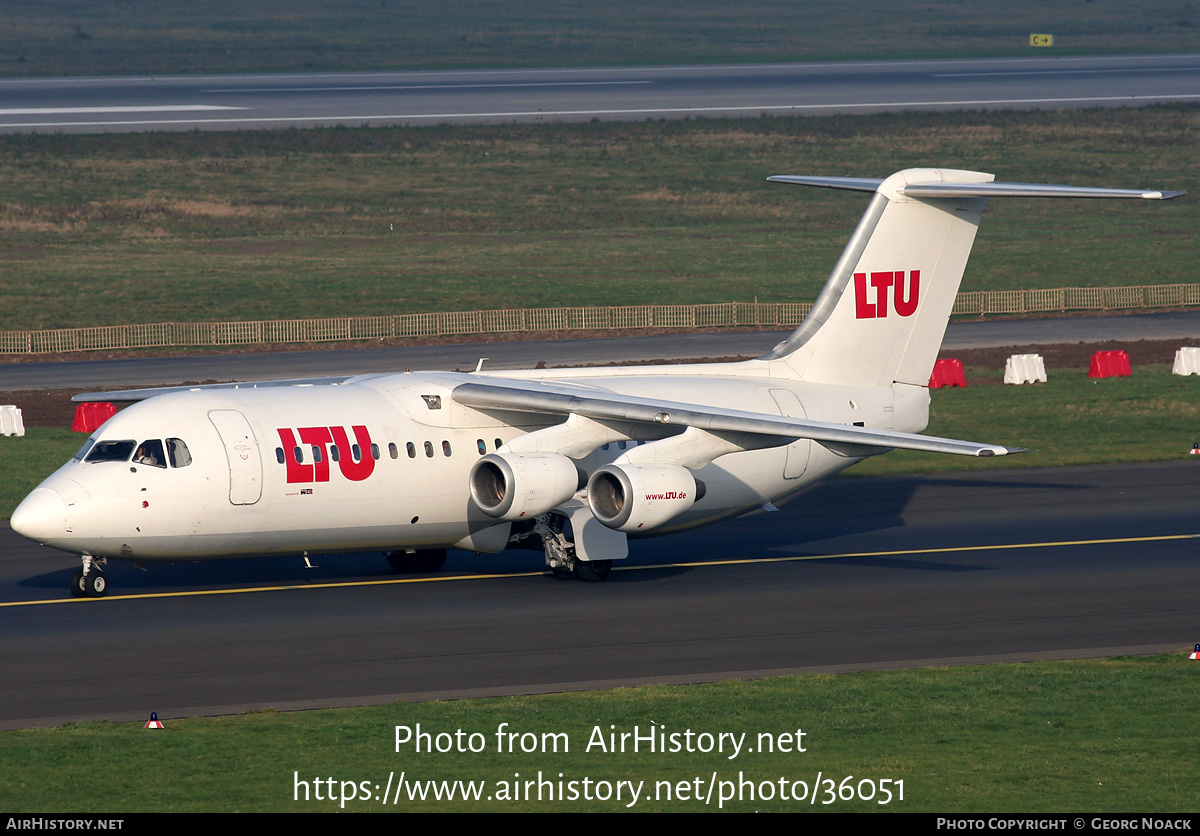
x=41, y=516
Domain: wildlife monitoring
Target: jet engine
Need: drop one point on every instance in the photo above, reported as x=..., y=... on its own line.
x=510, y=487
x=641, y=497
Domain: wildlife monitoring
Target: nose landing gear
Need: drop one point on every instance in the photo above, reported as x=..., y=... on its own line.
x=89, y=581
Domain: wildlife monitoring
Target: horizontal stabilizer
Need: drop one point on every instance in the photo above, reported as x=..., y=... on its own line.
x=959, y=190
x=856, y=184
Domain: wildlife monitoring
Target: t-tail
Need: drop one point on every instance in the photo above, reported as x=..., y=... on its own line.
x=882, y=314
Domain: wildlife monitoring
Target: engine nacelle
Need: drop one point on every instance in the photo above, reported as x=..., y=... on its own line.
x=641, y=497
x=509, y=486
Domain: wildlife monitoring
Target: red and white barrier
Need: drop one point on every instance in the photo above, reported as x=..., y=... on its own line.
x=1187, y=361
x=89, y=416
x=947, y=372
x=1025, y=368
x=11, y=422
x=1109, y=364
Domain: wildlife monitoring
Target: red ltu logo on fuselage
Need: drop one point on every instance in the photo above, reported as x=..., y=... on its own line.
x=356, y=461
x=871, y=293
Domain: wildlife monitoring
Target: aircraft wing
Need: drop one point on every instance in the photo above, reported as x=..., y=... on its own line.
x=130, y=395
x=531, y=396
x=592, y=402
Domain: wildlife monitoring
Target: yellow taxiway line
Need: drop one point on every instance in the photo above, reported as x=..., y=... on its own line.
x=694, y=564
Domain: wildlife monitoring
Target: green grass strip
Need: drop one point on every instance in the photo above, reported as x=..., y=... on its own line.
x=1092, y=736
x=140, y=228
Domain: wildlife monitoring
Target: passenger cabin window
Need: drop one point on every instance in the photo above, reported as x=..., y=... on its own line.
x=429, y=449
x=180, y=456
x=111, y=451
x=482, y=446
x=393, y=450
x=375, y=452
x=150, y=453
x=445, y=448
x=412, y=450
x=279, y=455
x=335, y=453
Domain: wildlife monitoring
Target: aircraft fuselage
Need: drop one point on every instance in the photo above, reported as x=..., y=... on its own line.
x=382, y=462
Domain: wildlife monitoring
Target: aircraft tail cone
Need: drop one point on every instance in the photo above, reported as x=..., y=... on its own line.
x=155, y=723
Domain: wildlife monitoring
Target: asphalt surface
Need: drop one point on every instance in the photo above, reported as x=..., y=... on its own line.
x=90, y=105
x=856, y=574
x=107, y=374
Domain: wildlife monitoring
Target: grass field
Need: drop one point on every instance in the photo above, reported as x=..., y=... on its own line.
x=996, y=739
x=1150, y=416
x=105, y=37
x=103, y=230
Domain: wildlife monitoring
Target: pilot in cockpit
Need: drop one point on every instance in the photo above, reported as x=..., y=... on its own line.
x=149, y=453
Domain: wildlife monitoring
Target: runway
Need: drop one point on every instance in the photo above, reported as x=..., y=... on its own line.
x=856, y=574
x=91, y=105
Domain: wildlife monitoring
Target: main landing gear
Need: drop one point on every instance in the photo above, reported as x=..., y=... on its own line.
x=561, y=559
x=421, y=560
x=89, y=581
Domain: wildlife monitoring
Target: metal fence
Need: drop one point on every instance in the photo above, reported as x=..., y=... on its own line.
x=982, y=302
x=724, y=314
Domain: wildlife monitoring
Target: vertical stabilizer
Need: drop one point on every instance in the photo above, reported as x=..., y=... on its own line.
x=882, y=314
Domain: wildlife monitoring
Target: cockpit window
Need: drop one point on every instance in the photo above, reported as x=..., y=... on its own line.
x=178, y=453
x=150, y=453
x=83, y=451
x=111, y=451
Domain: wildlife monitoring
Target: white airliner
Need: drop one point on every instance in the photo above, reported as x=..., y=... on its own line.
x=571, y=461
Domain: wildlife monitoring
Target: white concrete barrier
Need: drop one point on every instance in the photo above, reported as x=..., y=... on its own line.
x=10, y=421
x=1187, y=361
x=1025, y=368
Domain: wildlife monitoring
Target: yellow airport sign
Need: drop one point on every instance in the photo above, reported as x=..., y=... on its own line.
x=1041, y=40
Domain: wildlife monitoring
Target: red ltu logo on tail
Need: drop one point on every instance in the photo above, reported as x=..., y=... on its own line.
x=871, y=293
